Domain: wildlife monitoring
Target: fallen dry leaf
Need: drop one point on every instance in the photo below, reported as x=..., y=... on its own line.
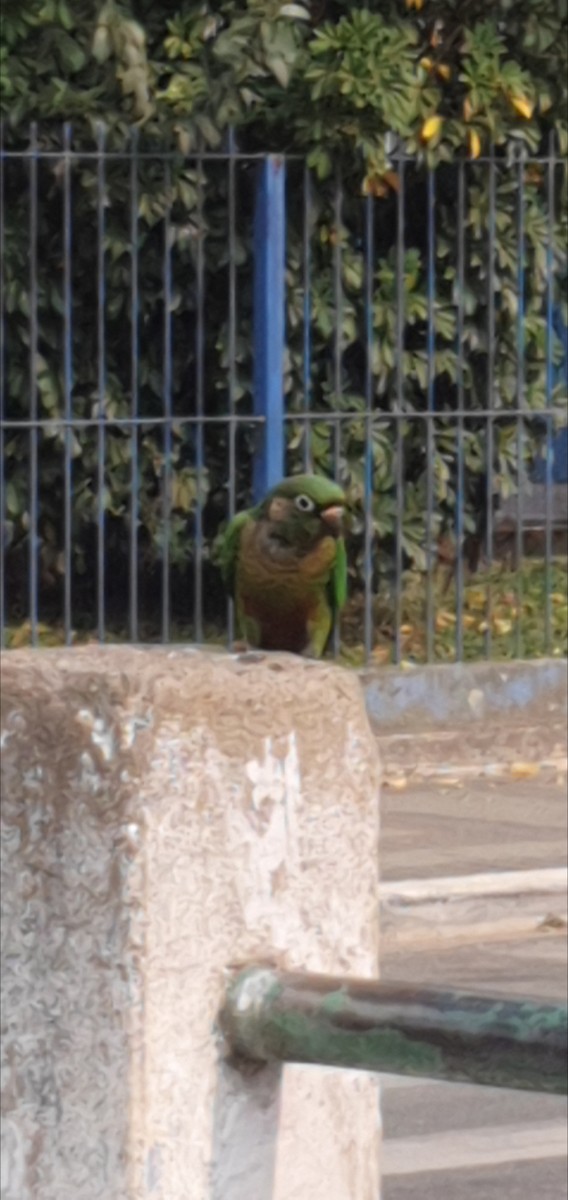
x=396, y=782
x=523, y=770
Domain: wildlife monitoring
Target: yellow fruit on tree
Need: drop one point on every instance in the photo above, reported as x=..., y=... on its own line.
x=524, y=107
x=431, y=128
x=474, y=143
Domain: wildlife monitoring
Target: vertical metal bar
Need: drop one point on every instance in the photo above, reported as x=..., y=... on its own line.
x=307, y=362
x=269, y=326
x=399, y=451
x=337, y=291
x=368, y=482
x=199, y=394
x=33, y=407
x=337, y=435
x=167, y=397
x=101, y=382
x=551, y=164
x=5, y=538
x=4, y=530
x=134, y=381
x=519, y=533
x=460, y=425
x=232, y=496
x=337, y=347
x=490, y=392
x=430, y=399
x=68, y=381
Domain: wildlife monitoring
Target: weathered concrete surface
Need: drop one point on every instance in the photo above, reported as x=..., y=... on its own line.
x=465, y=908
x=464, y=692
x=512, y=711
x=167, y=814
x=492, y=749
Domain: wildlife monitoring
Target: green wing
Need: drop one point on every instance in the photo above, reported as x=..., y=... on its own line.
x=338, y=581
x=229, y=550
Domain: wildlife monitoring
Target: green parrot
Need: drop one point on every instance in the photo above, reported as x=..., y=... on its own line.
x=285, y=566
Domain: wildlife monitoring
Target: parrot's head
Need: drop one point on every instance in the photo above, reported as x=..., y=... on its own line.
x=304, y=508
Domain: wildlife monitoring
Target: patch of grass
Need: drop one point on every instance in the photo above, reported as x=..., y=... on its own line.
x=53, y=634
x=503, y=616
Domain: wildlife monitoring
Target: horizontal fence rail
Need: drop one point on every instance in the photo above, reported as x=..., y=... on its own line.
x=177, y=330
x=437, y=1034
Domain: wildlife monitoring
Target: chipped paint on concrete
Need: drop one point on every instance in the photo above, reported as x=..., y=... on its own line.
x=254, y=991
x=101, y=736
x=131, y=727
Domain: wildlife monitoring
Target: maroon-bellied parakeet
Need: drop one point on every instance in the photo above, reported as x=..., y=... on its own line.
x=285, y=565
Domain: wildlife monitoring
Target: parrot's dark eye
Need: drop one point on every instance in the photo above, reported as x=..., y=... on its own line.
x=304, y=504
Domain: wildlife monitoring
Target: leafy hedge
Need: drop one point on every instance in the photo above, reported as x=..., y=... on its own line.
x=343, y=86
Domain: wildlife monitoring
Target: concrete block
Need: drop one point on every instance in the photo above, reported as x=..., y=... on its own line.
x=168, y=815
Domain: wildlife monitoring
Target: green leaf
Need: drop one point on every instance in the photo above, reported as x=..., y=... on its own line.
x=13, y=502
x=280, y=70
x=296, y=11
x=206, y=127
x=72, y=57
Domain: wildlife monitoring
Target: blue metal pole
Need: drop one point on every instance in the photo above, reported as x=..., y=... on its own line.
x=268, y=334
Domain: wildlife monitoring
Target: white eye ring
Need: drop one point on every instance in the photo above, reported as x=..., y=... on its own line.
x=304, y=504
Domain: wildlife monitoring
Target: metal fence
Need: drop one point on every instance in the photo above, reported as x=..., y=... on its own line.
x=178, y=331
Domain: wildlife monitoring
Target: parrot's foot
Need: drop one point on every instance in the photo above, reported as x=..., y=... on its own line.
x=251, y=656
x=312, y=652
x=245, y=653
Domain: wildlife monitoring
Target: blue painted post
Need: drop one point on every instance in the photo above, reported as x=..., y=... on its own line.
x=559, y=444
x=560, y=467
x=268, y=334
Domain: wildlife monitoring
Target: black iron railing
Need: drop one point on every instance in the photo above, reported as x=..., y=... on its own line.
x=150, y=388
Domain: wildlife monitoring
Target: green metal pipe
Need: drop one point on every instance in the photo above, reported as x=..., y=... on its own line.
x=452, y=1035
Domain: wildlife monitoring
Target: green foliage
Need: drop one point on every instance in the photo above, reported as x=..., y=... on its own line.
x=299, y=72
x=333, y=81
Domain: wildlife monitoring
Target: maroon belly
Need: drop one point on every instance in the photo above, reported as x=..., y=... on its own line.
x=279, y=629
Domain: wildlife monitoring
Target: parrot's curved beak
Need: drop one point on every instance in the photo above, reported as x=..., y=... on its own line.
x=333, y=517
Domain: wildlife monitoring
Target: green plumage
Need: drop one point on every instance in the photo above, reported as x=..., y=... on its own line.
x=284, y=563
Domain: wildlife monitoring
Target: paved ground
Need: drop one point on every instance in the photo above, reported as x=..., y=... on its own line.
x=539, y=1180
x=456, y=1142
x=476, y=747
x=527, y=966
x=457, y=828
